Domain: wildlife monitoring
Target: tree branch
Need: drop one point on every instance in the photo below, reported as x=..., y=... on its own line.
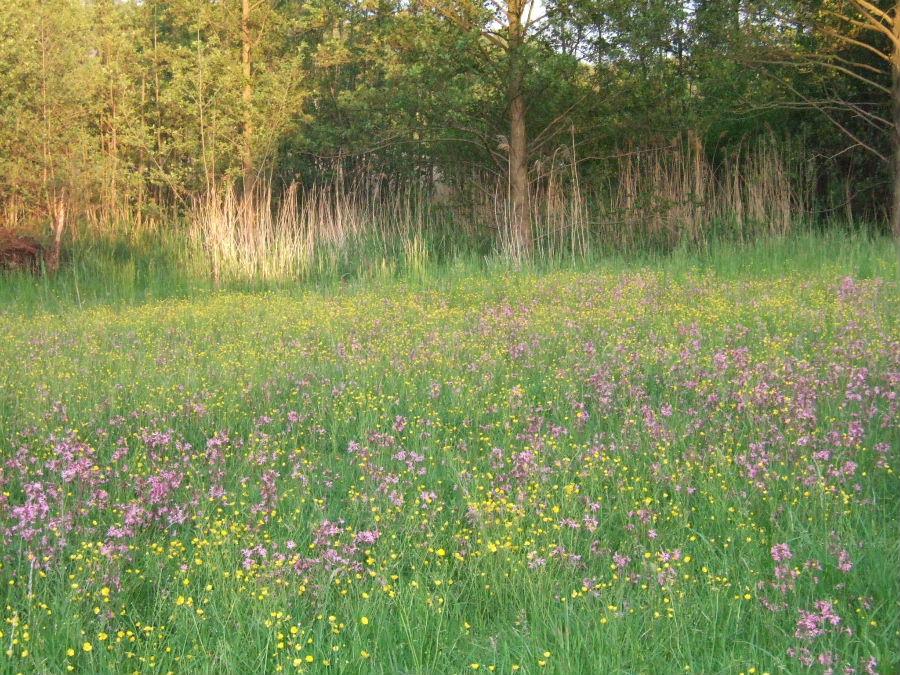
x=546, y=134
x=859, y=43
x=833, y=66
x=872, y=23
x=825, y=112
x=875, y=12
x=500, y=160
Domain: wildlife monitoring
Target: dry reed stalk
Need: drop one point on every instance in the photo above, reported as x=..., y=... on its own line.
x=666, y=196
x=255, y=236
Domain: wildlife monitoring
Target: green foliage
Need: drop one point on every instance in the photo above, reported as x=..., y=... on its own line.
x=134, y=110
x=46, y=90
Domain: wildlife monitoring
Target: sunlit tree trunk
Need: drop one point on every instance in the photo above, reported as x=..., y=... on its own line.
x=59, y=227
x=56, y=204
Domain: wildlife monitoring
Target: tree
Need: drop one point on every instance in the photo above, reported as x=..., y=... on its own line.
x=863, y=20
x=228, y=87
x=257, y=17
x=47, y=87
x=505, y=25
x=856, y=43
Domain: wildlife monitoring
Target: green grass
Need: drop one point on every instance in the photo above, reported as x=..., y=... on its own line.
x=122, y=271
x=687, y=412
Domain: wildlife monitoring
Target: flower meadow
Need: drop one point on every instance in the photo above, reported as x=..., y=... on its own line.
x=553, y=472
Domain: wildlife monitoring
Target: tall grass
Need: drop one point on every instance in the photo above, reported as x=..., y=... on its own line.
x=662, y=201
x=667, y=197
x=125, y=270
x=303, y=234
x=658, y=199
x=560, y=208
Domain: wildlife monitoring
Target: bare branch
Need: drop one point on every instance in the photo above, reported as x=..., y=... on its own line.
x=831, y=118
x=446, y=11
x=841, y=152
x=499, y=159
x=531, y=20
x=876, y=121
x=867, y=7
x=498, y=9
x=870, y=118
x=855, y=64
x=456, y=17
x=859, y=43
x=496, y=39
x=548, y=132
x=872, y=24
x=536, y=20
x=833, y=66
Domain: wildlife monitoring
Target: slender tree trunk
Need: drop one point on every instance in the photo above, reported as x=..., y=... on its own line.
x=209, y=174
x=895, y=103
x=113, y=148
x=520, y=207
x=247, y=96
x=59, y=226
x=157, y=105
x=142, y=158
x=45, y=111
x=895, y=212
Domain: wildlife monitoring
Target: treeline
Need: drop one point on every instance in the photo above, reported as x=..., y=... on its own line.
x=518, y=117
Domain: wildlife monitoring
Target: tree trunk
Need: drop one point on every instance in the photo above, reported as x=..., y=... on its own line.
x=520, y=207
x=59, y=225
x=895, y=211
x=895, y=131
x=895, y=94
x=247, y=98
x=157, y=107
